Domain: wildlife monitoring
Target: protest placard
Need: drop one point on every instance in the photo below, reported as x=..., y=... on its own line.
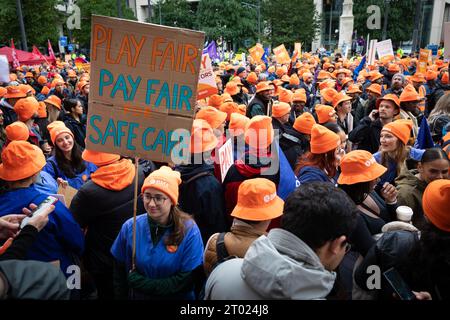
x=207, y=79
x=384, y=49
x=256, y=52
x=4, y=69
x=143, y=87
x=423, y=60
x=226, y=159
x=281, y=55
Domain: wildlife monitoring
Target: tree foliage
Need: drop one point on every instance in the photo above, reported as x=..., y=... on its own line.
x=100, y=7
x=174, y=13
x=400, y=21
x=229, y=19
x=41, y=21
x=289, y=21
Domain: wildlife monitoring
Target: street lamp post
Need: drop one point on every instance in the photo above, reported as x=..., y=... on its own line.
x=22, y=26
x=387, y=8
x=119, y=8
x=258, y=9
x=416, y=41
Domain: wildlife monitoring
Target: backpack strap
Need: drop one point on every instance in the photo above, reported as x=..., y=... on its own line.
x=222, y=253
x=197, y=176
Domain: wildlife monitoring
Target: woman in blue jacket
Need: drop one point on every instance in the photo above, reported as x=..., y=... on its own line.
x=67, y=164
x=321, y=163
x=169, y=246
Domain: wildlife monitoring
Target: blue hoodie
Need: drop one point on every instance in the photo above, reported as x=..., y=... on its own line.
x=61, y=237
x=75, y=182
x=312, y=174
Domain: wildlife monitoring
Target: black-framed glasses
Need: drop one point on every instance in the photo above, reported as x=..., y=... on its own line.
x=158, y=199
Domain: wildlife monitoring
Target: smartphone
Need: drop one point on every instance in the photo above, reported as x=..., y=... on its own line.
x=399, y=285
x=50, y=200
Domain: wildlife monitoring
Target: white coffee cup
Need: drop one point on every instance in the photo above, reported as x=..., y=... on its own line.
x=404, y=213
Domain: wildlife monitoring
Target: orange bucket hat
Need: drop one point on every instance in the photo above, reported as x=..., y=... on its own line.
x=29, y=75
x=26, y=88
x=42, y=80
x=17, y=131
x=435, y=200
x=211, y=115
x=26, y=108
x=431, y=75
x=263, y=86
x=165, y=180
x=323, y=140
x=242, y=109
x=394, y=68
x=375, y=75
x=99, y=158
x=280, y=109
x=226, y=98
x=328, y=94
x=323, y=75
x=45, y=90
x=14, y=92
x=20, y=160
x=418, y=77
x=400, y=128
x=374, y=88
x=304, y=123
x=259, y=132
x=327, y=84
x=252, y=78
x=202, y=137
x=306, y=75
x=285, y=95
x=215, y=101
x=285, y=78
x=389, y=97
x=339, y=98
x=359, y=166
x=12, y=77
x=257, y=200
x=42, y=110
x=324, y=113
x=237, y=124
x=54, y=101
x=232, y=88
x=354, y=88
x=56, y=128
x=3, y=91
x=229, y=108
x=410, y=94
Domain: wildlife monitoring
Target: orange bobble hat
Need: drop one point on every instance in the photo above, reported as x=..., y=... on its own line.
x=54, y=101
x=359, y=166
x=237, y=124
x=304, y=123
x=20, y=160
x=99, y=158
x=232, y=88
x=25, y=108
x=257, y=200
x=324, y=113
x=285, y=95
x=252, y=78
x=299, y=95
x=211, y=115
x=280, y=109
x=400, y=128
x=56, y=128
x=165, y=180
x=323, y=140
x=42, y=110
x=259, y=132
x=229, y=108
x=328, y=94
x=215, y=101
x=202, y=137
x=42, y=80
x=17, y=131
x=294, y=80
x=409, y=93
x=435, y=200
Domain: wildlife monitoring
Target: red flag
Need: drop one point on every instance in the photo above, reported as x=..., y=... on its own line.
x=50, y=51
x=15, y=61
x=38, y=53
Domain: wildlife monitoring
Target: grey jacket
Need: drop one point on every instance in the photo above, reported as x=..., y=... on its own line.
x=279, y=266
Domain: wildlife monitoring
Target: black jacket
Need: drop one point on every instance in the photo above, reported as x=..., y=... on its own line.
x=201, y=195
x=78, y=128
x=293, y=144
x=258, y=102
x=367, y=135
x=103, y=212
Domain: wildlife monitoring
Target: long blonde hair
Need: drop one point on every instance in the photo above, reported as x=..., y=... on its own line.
x=442, y=108
x=398, y=156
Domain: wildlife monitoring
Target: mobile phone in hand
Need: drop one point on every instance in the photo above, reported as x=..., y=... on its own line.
x=399, y=285
x=39, y=209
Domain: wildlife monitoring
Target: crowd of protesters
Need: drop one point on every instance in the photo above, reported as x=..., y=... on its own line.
x=325, y=151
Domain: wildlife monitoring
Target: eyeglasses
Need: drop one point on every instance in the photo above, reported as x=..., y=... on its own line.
x=159, y=200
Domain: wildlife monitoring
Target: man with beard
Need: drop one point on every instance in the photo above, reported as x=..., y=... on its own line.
x=72, y=82
x=367, y=133
x=298, y=105
x=308, y=86
x=363, y=109
x=261, y=104
x=397, y=84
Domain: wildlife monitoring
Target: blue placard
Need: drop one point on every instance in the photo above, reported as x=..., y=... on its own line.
x=70, y=47
x=434, y=49
x=63, y=41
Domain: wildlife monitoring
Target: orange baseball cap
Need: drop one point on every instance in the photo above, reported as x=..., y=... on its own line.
x=263, y=86
x=232, y=88
x=280, y=109
x=99, y=158
x=42, y=110
x=20, y=160
x=17, y=131
x=211, y=115
x=410, y=94
x=237, y=124
x=400, y=128
x=14, y=92
x=215, y=101
x=165, y=180
x=323, y=140
x=285, y=95
x=324, y=113
x=304, y=123
x=229, y=108
x=257, y=200
x=56, y=128
x=339, y=98
x=259, y=132
x=54, y=101
x=202, y=137
x=389, y=97
x=26, y=108
x=359, y=166
x=374, y=88
x=435, y=200
x=252, y=78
